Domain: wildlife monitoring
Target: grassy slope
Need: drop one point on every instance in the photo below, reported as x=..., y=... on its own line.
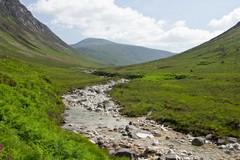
x=197, y=91
x=24, y=44
x=30, y=90
x=30, y=110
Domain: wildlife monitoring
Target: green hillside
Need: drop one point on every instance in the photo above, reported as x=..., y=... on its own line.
x=36, y=68
x=196, y=91
x=115, y=54
x=24, y=37
x=30, y=112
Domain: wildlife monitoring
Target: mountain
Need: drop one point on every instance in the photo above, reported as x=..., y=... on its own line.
x=196, y=91
x=114, y=54
x=93, y=42
x=26, y=38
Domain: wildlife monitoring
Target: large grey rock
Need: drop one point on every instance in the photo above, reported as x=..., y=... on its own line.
x=172, y=156
x=198, y=141
x=231, y=140
x=236, y=146
x=222, y=147
x=230, y=147
x=209, y=137
x=220, y=142
x=126, y=153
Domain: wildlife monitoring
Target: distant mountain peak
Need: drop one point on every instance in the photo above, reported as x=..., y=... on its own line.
x=94, y=41
x=115, y=54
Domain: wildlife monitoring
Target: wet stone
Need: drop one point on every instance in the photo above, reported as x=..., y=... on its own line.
x=198, y=141
x=171, y=155
x=231, y=140
x=126, y=153
x=220, y=142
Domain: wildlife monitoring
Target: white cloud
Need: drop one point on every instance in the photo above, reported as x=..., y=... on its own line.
x=226, y=21
x=180, y=23
x=104, y=19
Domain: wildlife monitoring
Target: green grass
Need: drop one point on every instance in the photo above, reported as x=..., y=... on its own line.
x=197, y=91
x=30, y=112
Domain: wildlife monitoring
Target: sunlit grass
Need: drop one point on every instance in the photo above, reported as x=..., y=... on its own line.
x=197, y=91
x=30, y=111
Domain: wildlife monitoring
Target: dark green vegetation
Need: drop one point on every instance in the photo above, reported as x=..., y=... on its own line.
x=114, y=54
x=197, y=91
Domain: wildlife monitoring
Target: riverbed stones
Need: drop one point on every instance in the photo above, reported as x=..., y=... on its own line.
x=209, y=137
x=236, y=146
x=153, y=141
x=231, y=140
x=220, y=142
x=124, y=152
x=171, y=155
x=156, y=133
x=198, y=141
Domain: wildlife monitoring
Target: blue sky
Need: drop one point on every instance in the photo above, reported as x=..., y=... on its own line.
x=172, y=25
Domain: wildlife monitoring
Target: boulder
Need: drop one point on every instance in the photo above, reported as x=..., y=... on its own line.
x=100, y=143
x=149, y=151
x=98, y=110
x=126, y=153
x=127, y=128
x=124, y=133
x=209, y=137
x=222, y=147
x=172, y=157
x=230, y=147
x=198, y=141
x=155, y=143
x=231, y=140
x=220, y=142
x=236, y=146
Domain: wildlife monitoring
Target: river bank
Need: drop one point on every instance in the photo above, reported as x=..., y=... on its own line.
x=91, y=112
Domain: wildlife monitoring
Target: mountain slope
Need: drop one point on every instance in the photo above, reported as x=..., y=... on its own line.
x=114, y=54
x=36, y=68
x=196, y=91
x=24, y=37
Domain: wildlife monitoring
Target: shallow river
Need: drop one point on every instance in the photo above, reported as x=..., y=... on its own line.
x=91, y=112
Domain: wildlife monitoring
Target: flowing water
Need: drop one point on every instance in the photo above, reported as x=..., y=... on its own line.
x=91, y=112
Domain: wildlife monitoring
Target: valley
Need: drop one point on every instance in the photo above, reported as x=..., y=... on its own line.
x=71, y=102
x=196, y=91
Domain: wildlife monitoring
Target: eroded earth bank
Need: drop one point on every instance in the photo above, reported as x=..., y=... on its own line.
x=92, y=113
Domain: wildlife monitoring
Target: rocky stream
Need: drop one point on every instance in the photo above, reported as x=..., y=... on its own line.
x=92, y=113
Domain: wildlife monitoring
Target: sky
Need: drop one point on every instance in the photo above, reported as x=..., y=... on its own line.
x=173, y=25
